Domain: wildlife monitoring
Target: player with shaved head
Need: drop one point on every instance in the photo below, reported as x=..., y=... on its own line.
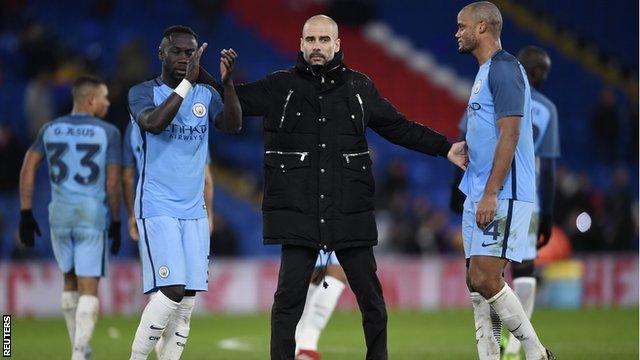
x=500, y=180
x=172, y=115
x=319, y=187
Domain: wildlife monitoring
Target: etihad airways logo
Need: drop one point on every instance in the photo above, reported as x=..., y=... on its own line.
x=186, y=132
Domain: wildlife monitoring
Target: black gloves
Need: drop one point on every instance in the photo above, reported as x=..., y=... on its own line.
x=544, y=229
x=28, y=226
x=114, y=235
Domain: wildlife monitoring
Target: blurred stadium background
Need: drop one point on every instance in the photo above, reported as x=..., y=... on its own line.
x=407, y=48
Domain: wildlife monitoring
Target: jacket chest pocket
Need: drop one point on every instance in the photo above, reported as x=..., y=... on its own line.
x=286, y=180
x=352, y=114
x=358, y=186
x=288, y=114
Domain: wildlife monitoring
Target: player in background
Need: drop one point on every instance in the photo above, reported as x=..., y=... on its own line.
x=173, y=114
x=499, y=182
x=83, y=154
x=546, y=141
x=130, y=163
x=319, y=305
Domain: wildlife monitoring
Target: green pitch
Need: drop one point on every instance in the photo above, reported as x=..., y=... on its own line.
x=584, y=334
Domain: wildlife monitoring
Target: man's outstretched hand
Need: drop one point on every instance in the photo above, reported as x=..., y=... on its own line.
x=458, y=155
x=227, y=60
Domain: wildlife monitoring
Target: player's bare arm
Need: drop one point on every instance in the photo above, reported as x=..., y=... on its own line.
x=32, y=161
x=114, y=192
x=230, y=120
x=509, y=132
x=128, y=187
x=28, y=224
x=208, y=195
x=156, y=120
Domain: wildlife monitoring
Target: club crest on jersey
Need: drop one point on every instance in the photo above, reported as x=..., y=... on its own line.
x=199, y=109
x=476, y=86
x=163, y=271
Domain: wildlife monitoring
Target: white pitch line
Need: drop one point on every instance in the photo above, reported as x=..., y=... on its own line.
x=237, y=344
x=244, y=344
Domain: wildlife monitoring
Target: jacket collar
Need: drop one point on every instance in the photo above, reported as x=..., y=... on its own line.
x=328, y=69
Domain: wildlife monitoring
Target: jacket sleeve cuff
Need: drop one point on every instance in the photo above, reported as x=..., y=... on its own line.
x=444, y=148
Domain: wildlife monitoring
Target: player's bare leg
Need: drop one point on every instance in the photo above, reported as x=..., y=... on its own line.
x=86, y=316
x=485, y=277
x=318, y=308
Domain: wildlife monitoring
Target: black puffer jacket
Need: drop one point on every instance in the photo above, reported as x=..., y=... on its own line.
x=319, y=188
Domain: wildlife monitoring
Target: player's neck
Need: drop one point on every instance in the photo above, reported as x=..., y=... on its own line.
x=169, y=81
x=78, y=109
x=485, y=51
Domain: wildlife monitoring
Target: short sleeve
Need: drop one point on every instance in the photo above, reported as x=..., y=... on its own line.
x=140, y=99
x=550, y=145
x=507, y=86
x=128, y=158
x=114, y=146
x=215, y=105
x=38, y=144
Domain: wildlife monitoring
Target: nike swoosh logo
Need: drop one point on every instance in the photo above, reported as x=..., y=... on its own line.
x=511, y=331
x=178, y=335
x=153, y=327
x=489, y=244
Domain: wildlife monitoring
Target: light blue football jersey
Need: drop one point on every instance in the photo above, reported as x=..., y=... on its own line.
x=500, y=89
x=131, y=149
x=78, y=148
x=171, y=181
x=546, y=136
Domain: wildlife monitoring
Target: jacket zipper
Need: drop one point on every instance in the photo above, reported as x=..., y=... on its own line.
x=284, y=110
x=347, y=156
x=361, y=109
x=302, y=154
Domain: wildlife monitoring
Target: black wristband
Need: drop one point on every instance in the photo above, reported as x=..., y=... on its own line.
x=26, y=213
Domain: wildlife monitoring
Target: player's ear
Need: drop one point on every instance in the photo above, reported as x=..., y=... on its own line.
x=337, y=44
x=482, y=27
x=90, y=100
x=301, y=43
